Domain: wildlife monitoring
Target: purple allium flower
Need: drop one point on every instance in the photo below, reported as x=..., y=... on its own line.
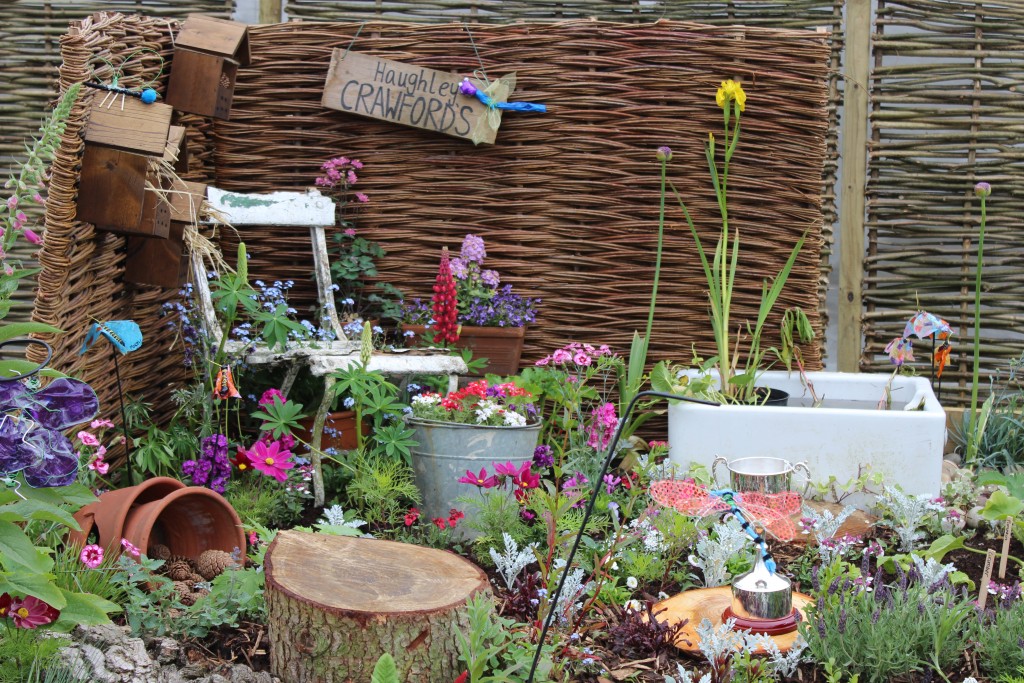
x=983, y=189
x=664, y=153
x=473, y=249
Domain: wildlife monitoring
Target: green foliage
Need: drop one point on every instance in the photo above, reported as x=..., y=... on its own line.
x=156, y=452
x=280, y=418
x=26, y=655
x=374, y=398
x=256, y=502
x=72, y=576
x=235, y=595
x=381, y=488
x=997, y=637
x=496, y=649
x=385, y=671
x=495, y=512
x=152, y=605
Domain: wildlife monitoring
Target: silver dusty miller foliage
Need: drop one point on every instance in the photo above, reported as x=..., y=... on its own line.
x=716, y=549
x=513, y=561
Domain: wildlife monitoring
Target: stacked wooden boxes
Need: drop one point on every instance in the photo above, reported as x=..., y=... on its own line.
x=122, y=136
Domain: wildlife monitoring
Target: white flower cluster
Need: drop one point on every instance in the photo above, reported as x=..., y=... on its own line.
x=514, y=419
x=426, y=400
x=653, y=539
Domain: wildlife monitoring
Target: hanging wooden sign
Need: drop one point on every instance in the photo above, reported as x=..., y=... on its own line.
x=409, y=95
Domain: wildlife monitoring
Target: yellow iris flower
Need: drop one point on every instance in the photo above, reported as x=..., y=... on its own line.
x=731, y=90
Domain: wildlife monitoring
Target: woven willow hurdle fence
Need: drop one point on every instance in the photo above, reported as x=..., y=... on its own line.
x=30, y=32
x=567, y=201
x=947, y=112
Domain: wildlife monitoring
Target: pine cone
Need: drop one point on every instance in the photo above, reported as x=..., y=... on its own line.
x=158, y=551
x=178, y=570
x=211, y=563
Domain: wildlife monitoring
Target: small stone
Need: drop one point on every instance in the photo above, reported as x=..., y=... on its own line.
x=974, y=517
x=240, y=673
x=98, y=664
x=165, y=650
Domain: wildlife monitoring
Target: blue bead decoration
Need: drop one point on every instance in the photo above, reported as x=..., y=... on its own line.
x=148, y=96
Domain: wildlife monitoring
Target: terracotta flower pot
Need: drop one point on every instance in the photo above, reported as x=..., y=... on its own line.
x=107, y=515
x=339, y=431
x=501, y=346
x=188, y=521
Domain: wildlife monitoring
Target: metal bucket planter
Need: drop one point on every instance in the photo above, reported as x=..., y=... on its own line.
x=446, y=450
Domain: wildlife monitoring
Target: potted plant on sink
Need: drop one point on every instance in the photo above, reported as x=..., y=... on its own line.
x=904, y=446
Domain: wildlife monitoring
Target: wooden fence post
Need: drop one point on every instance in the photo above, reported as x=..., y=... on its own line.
x=270, y=11
x=854, y=175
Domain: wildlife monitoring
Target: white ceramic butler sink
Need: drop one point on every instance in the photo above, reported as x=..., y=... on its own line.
x=904, y=443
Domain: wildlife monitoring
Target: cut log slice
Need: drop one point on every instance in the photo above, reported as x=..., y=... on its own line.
x=335, y=604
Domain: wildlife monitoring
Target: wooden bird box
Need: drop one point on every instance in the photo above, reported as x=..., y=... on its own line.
x=130, y=125
x=112, y=193
x=176, y=152
x=207, y=54
x=163, y=263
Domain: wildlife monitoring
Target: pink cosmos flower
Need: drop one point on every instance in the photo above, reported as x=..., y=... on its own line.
x=101, y=424
x=30, y=612
x=270, y=460
x=481, y=480
x=88, y=439
x=91, y=556
x=130, y=548
x=506, y=469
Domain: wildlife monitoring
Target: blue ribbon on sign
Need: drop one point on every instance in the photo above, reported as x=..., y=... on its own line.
x=468, y=88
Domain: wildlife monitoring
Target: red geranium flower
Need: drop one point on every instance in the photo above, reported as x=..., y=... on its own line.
x=440, y=523
x=411, y=516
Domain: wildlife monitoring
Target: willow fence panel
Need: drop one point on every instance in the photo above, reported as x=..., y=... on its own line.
x=30, y=32
x=787, y=14
x=946, y=113
x=567, y=201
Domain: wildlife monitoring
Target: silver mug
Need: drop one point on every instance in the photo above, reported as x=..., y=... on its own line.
x=759, y=473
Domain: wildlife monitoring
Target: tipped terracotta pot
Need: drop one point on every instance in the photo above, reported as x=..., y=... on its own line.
x=188, y=521
x=107, y=515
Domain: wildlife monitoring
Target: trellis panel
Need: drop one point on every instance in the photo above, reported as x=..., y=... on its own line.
x=946, y=113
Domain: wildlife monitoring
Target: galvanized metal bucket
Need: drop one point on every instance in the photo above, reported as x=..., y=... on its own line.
x=760, y=474
x=447, y=450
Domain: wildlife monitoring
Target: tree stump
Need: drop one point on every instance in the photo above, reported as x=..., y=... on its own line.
x=335, y=604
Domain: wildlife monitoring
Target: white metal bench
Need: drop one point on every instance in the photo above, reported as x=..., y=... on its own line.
x=313, y=210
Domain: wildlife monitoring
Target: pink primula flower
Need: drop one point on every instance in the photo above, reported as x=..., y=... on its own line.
x=91, y=556
x=270, y=460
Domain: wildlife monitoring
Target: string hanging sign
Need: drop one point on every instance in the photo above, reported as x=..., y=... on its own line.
x=415, y=96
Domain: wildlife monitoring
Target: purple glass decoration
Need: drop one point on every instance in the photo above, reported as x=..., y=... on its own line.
x=32, y=442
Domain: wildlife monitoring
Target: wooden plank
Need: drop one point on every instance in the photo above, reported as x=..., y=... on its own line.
x=202, y=84
x=308, y=208
x=216, y=36
x=112, y=188
x=270, y=11
x=854, y=175
x=409, y=95
x=186, y=198
x=157, y=262
x=137, y=127
x=176, y=151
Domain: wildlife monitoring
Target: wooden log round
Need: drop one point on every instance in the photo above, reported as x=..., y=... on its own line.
x=336, y=603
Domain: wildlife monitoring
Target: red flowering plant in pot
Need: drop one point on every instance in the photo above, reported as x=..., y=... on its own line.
x=491, y=319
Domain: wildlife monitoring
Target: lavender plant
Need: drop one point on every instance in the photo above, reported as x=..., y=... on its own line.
x=886, y=634
x=998, y=633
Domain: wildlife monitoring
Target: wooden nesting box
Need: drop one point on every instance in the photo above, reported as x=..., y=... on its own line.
x=176, y=151
x=119, y=143
x=163, y=262
x=207, y=54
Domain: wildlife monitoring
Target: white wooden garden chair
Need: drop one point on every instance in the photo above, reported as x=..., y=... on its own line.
x=313, y=210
